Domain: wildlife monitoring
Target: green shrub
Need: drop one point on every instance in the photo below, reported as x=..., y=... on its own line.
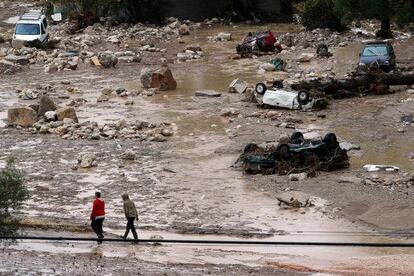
x=12, y=193
x=321, y=14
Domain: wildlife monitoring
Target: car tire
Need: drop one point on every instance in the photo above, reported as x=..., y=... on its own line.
x=297, y=138
x=261, y=88
x=278, y=84
x=303, y=97
x=322, y=50
x=283, y=150
x=331, y=140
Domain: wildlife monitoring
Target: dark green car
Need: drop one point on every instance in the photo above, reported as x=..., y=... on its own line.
x=299, y=155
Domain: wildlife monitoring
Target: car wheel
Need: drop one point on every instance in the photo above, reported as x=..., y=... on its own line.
x=331, y=140
x=278, y=84
x=297, y=138
x=303, y=97
x=283, y=150
x=261, y=88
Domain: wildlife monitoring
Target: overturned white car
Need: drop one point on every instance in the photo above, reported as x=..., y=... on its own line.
x=277, y=96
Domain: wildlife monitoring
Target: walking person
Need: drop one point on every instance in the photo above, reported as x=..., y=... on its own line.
x=130, y=214
x=98, y=216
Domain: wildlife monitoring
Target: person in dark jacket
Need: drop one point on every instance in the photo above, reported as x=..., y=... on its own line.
x=98, y=216
x=130, y=214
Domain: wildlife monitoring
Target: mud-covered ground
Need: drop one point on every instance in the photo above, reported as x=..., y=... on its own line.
x=188, y=186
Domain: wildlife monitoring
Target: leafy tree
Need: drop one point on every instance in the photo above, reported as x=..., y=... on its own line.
x=12, y=193
x=321, y=14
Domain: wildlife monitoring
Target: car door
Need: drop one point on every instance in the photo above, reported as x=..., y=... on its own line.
x=392, y=56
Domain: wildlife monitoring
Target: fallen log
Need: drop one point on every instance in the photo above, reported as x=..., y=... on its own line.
x=359, y=83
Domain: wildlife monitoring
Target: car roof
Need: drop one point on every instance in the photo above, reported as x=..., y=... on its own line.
x=29, y=22
x=377, y=43
x=32, y=16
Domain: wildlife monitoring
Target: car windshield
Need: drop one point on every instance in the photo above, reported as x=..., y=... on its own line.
x=28, y=29
x=375, y=50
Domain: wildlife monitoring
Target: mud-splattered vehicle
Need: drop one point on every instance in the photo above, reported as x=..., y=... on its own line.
x=298, y=155
x=257, y=44
x=277, y=96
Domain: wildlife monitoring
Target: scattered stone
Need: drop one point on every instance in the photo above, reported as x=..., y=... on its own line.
x=294, y=199
x=17, y=59
x=129, y=155
x=87, y=160
x=298, y=176
x=207, y=93
x=21, y=116
x=167, y=132
x=184, y=30
x=306, y=57
x=162, y=79
x=159, y=138
x=108, y=60
x=51, y=68
x=66, y=112
x=46, y=104
x=223, y=36
x=348, y=146
x=50, y=116
x=238, y=86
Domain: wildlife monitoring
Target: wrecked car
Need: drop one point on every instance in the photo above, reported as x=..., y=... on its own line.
x=277, y=96
x=296, y=156
x=378, y=53
x=257, y=43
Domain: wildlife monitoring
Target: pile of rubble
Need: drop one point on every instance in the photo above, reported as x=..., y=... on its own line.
x=47, y=118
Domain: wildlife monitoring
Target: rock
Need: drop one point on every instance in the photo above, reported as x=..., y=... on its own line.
x=29, y=94
x=231, y=112
x=129, y=155
x=46, y=104
x=95, y=61
x=87, y=160
x=67, y=121
x=17, y=59
x=298, y=176
x=8, y=68
x=207, y=93
x=294, y=199
x=162, y=79
x=159, y=138
x=108, y=60
x=237, y=86
x=52, y=68
x=306, y=57
x=21, y=116
x=348, y=146
x=102, y=98
x=50, y=116
x=66, y=112
x=268, y=67
x=44, y=129
x=194, y=48
x=167, y=132
x=224, y=36
x=184, y=30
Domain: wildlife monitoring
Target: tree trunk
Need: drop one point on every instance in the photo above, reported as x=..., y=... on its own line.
x=374, y=82
x=385, y=31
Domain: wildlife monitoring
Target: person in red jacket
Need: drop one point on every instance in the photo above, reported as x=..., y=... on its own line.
x=98, y=216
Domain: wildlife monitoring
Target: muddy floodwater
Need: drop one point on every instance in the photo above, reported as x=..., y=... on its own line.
x=188, y=187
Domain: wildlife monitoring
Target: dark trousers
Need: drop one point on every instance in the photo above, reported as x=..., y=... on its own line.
x=130, y=226
x=97, y=227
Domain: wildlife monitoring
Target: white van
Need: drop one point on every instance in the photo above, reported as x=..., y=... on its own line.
x=32, y=27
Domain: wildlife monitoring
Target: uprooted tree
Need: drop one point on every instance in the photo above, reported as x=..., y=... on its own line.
x=370, y=81
x=12, y=193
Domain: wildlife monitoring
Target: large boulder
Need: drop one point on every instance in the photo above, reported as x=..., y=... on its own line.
x=17, y=59
x=161, y=79
x=66, y=113
x=46, y=104
x=184, y=30
x=21, y=116
x=87, y=160
x=108, y=60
